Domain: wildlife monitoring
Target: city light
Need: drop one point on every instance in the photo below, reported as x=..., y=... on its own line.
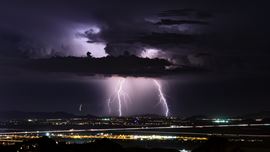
x=220, y=121
x=184, y=150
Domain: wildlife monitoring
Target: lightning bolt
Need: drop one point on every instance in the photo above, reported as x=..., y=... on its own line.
x=119, y=93
x=109, y=105
x=120, y=96
x=80, y=107
x=162, y=98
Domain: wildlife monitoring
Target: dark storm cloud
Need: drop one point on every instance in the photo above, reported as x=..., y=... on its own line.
x=149, y=32
x=179, y=22
x=166, y=38
x=181, y=28
x=186, y=12
x=230, y=36
x=43, y=27
x=111, y=66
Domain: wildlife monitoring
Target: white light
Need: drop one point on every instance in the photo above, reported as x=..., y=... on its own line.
x=119, y=92
x=184, y=150
x=162, y=98
x=150, y=53
x=80, y=107
x=221, y=121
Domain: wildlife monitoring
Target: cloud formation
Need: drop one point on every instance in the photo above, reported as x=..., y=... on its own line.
x=180, y=30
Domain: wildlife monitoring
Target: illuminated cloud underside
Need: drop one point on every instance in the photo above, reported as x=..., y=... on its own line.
x=80, y=43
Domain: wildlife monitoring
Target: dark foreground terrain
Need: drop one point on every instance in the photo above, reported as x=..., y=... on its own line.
x=45, y=144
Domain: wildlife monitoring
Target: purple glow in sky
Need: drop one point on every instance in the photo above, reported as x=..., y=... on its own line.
x=81, y=42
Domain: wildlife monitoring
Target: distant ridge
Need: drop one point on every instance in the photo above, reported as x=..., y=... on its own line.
x=12, y=115
x=19, y=115
x=147, y=115
x=261, y=114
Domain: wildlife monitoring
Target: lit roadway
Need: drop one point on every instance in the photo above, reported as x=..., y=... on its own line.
x=152, y=130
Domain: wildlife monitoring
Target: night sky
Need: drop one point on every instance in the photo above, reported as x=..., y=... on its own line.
x=228, y=39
